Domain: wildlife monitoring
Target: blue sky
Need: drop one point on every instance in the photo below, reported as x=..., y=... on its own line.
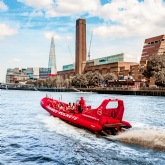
x=26, y=27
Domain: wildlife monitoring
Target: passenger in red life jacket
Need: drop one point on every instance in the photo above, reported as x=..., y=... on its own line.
x=81, y=104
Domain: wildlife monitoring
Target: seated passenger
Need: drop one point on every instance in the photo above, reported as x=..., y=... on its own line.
x=60, y=107
x=73, y=106
x=69, y=106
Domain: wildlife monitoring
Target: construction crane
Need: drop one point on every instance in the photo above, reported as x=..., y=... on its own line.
x=71, y=54
x=90, y=46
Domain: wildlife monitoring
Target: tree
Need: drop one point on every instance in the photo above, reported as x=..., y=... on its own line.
x=94, y=79
x=59, y=81
x=79, y=80
x=160, y=78
x=156, y=68
x=155, y=64
x=30, y=82
x=66, y=83
x=110, y=76
x=49, y=81
x=89, y=76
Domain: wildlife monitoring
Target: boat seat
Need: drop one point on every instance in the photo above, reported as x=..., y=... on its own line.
x=113, y=114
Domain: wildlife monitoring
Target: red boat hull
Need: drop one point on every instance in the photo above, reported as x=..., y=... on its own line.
x=96, y=120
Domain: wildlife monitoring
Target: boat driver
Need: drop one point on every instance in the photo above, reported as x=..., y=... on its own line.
x=81, y=104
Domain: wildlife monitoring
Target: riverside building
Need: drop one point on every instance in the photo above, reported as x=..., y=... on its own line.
x=35, y=73
x=123, y=64
x=153, y=45
x=114, y=63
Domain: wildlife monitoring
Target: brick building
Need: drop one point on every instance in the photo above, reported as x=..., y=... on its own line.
x=118, y=63
x=153, y=45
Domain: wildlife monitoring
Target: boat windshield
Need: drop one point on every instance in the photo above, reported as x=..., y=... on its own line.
x=113, y=104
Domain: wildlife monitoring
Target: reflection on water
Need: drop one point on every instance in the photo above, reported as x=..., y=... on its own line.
x=31, y=136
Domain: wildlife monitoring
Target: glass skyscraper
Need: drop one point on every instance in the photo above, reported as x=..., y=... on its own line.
x=52, y=58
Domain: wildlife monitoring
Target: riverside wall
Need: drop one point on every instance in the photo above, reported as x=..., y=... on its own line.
x=132, y=91
x=128, y=91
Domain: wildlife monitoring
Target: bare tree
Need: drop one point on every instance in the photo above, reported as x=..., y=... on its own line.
x=59, y=81
x=66, y=83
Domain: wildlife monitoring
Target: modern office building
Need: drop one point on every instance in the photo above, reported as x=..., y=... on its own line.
x=52, y=58
x=35, y=73
x=16, y=74
x=153, y=45
x=68, y=67
x=80, y=52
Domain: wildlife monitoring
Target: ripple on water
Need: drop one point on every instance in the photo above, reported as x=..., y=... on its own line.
x=30, y=136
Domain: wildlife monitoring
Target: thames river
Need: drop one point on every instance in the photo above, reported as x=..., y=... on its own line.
x=30, y=136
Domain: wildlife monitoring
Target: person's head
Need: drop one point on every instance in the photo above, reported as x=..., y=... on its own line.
x=81, y=98
x=69, y=103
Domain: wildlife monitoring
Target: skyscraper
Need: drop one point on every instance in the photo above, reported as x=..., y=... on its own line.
x=80, y=60
x=52, y=58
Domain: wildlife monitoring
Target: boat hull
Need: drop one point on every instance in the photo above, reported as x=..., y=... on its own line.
x=75, y=119
x=95, y=120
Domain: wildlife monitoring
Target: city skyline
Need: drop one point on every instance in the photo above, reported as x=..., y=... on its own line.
x=27, y=27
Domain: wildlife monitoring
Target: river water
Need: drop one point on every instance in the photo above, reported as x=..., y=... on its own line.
x=30, y=136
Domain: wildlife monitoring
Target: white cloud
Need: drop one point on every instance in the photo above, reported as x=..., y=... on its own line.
x=6, y=31
x=49, y=35
x=63, y=7
x=13, y=60
x=70, y=7
x=69, y=37
x=125, y=18
x=3, y=6
x=39, y=4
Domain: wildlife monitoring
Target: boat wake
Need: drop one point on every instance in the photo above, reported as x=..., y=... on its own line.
x=147, y=138
x=154, y=139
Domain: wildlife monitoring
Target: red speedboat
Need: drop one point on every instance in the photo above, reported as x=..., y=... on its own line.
x=103, y=120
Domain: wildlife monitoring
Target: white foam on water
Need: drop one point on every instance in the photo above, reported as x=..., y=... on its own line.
x=138, y=125
x=148, y=138
x=54, y=124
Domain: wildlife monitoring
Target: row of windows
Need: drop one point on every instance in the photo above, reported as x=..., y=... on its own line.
x=154, y=42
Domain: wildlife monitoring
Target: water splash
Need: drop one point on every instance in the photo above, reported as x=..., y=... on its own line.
x=154, y=139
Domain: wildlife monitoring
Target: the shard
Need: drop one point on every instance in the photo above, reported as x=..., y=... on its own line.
x=52, y=58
